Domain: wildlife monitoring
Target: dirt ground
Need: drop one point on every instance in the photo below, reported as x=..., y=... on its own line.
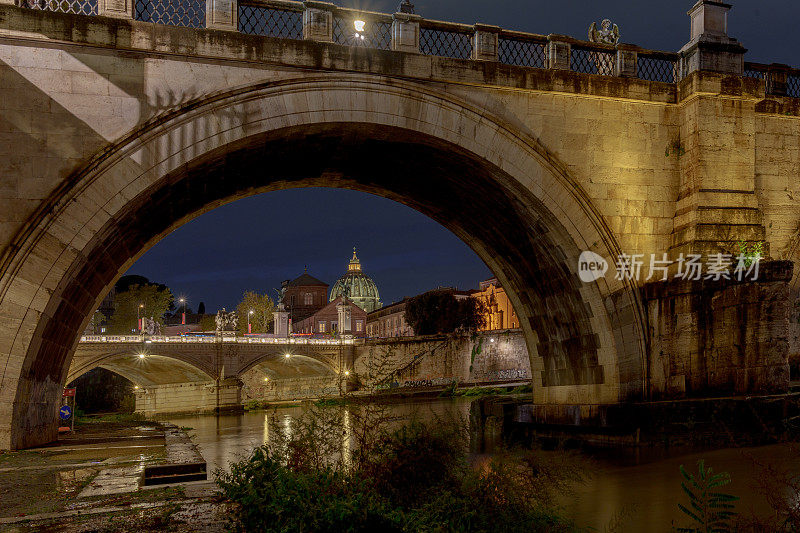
x=89, y=481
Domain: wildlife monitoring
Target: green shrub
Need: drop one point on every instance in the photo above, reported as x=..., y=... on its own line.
x=415, y=478
x=710, y=511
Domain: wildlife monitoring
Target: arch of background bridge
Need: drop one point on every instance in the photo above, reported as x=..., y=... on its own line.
x=119, y=359
x=280, y=367
x=155, y=369
x=483, y=177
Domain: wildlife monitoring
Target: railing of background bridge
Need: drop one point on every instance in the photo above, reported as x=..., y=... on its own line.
x=225, y=337
x=284, y=19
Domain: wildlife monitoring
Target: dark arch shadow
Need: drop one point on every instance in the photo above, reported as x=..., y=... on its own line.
x=525, y=246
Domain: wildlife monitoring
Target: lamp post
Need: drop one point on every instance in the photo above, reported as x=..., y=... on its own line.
x=139, y=317
x=183, y=315
x=249, y=326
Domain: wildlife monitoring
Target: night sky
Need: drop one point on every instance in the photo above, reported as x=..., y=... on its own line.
x=234, y=248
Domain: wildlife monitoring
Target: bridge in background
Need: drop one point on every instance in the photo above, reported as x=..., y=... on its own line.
x=121, y=120
x=197, y=374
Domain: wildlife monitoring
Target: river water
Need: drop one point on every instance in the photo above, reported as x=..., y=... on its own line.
x=643, y=492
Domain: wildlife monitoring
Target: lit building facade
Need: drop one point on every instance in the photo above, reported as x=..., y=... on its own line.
x=498, y=311
x=390, y=321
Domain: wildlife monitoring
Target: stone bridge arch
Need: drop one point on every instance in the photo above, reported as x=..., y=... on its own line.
x=482, y=175
x=322, y=361
x=160, y=365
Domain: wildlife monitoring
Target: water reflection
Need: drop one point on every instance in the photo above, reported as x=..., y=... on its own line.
x=641, y=490
x=231, y=437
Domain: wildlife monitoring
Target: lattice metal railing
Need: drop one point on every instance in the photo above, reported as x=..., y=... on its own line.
x=751, y=72
x=376, y=33
x=79, y=7
x=657, y=68
x=793, y=85
x=592, y=60
x=522, y=52
x=271, y=22
x=187, y=13
x=445, y=41
x=760, y=72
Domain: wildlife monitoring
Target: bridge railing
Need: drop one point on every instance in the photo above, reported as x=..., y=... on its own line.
x=780, y=80
x=324, y=21
x=194, y=339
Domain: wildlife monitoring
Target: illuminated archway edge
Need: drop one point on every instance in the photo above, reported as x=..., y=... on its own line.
x=102, y=360
x=56, y=237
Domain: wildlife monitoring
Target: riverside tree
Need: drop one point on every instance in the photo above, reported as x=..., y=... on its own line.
x=262, y=308
x=440, y=311
x=148, y=300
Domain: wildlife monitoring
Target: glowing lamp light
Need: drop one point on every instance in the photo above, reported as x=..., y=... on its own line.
x=266, y=379
x=359, y=25
x=288, y=355
x=346, y=372
x=491, y=340
x=136, y=387
x=142, y=356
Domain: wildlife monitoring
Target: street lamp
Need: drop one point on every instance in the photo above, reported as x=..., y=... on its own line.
x=139, y=317
x=249, y=326
x=182, y=300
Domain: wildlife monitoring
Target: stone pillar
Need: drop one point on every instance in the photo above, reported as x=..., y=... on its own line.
x=626, y=63
x=709, y=47
x=281, y=321
x=715, y=148
x=318, y=21
x=485, y=42
x=720, y=337
x=405, y=32
x=559, y=53
x=118, y=9
x=222, y=15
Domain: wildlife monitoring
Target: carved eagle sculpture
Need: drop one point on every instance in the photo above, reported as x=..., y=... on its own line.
x=607, y=34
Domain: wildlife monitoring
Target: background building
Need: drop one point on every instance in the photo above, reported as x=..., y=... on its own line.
x=498, y=311
x=304, y=296
x=357, y=286
x=326, y=321
x=389, y=321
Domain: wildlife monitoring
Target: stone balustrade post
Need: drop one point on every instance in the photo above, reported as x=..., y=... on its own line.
x=626, y=63
x=221, y=14
x=405, y=32
x=318, y=21
x=559, y=53
x=118, y=9
x=777, y=79
x=709, y=47
x=485, y=42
